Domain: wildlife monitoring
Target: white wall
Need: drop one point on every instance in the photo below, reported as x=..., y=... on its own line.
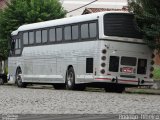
x=73, y=4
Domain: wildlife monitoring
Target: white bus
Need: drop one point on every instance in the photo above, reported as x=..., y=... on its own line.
x=102, y=49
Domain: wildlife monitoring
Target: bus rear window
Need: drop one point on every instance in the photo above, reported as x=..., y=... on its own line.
x=131, y=61
x=142, y=66
x=121, y=25
x=114, y=63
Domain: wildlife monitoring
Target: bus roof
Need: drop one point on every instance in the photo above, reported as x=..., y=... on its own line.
x=62, y=21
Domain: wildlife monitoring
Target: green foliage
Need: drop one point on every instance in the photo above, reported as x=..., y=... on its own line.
x=148, y=17
x=19, y=12
x=156, y=73
x=3, y=48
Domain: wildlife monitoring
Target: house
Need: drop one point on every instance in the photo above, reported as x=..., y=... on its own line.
x=94, y=10
x=77, y=7
x=3, y=3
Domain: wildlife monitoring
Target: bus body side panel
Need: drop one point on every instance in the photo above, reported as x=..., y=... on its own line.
x=49, y=64
x=13, y=64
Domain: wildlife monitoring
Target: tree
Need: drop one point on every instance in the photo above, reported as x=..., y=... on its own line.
x=19, y=12
x=147, y=13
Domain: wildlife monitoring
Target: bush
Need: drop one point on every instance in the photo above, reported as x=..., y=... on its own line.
x=156, y=73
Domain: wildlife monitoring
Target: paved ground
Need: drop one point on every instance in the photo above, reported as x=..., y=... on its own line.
x=46, y=100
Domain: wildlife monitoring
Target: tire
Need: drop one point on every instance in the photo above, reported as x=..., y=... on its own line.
x=70, y=79
x=1, y=81
x=59, y=86
x=19, y=79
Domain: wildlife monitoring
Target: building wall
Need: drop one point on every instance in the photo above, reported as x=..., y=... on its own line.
x=73, y=4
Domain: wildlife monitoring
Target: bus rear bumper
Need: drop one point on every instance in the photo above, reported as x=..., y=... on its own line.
x=127, y=81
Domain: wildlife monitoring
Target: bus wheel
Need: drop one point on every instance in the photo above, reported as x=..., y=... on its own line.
x=19, y=79
x=70, y=79
x=1, y=81
x=59, y=86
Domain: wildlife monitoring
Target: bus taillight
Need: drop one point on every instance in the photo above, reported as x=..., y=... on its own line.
x=152, y=56
x=102, y=71
x=152, y=62
x=103, y=64
x=104, y=51
x=151, y=75
x=151, y=69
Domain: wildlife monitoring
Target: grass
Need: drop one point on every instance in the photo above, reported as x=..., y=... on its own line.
x=143, y=91
x=156, y=73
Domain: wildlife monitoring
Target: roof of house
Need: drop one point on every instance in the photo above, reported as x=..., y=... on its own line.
x=2, y=4
x=94, y=10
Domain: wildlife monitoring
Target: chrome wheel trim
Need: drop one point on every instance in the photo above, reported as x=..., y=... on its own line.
x=19, y=79
x=70, y=79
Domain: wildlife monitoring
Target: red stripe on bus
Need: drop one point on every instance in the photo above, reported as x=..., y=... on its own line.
x=128, y=80
x=103, y=79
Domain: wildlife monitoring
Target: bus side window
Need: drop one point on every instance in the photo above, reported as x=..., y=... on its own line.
x=17, y=42
x=59, y=34
x=67, y=33
x=44, y=36
x=75, y=32
x=84, y=31
x=38, y=36
x=52, y=35
x=114, y=63
x=31, y=37
x=25, y=38
x=12, y=47
x=92, y=30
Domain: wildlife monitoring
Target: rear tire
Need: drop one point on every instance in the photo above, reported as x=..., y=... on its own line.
x=70, y=79
x=19, y=79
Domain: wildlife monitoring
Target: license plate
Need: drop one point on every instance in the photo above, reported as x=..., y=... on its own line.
x=127, y=70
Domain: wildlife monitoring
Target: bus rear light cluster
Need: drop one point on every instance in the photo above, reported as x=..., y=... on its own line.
x=104, y=51
x=152, y=56
x=151, y=69
x=103, y=57
x=152, y=62
x=102, y=71
x=103, y=64
x=151, y=75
